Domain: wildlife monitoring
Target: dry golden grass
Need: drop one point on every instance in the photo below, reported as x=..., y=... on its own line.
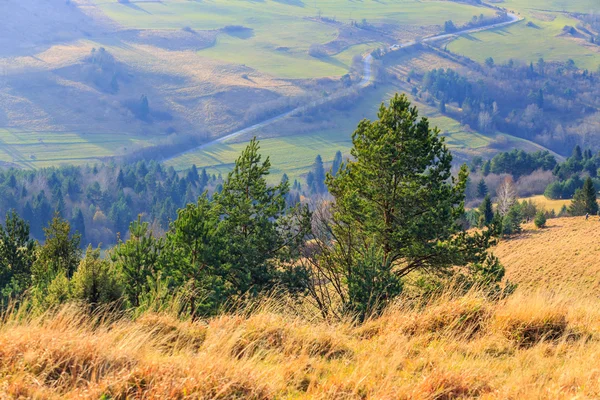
x=548, y=204
x=532, y=345
x=566, y=253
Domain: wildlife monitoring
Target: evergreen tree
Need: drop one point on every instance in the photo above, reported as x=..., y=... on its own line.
x=486, y=168
x=486, y=211
x=482, y=189
x=319, y=174
x=78, y=224
x=577, y=154
x=138, y=259
x=120, y=180
x=397, y=209
x=144, y=107
x=17, y=254
x=195, y=250
x=337, y=163
x=540, y=219
x=252, y=217
x=95, y=281
x=60, y=253
x=584, y=201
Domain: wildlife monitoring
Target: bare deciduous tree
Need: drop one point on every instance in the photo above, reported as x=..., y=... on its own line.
x=506, y=195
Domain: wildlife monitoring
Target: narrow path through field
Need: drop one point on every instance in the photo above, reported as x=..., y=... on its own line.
x=366, y=79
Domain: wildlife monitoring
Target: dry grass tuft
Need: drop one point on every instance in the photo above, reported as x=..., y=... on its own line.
x=464, y=316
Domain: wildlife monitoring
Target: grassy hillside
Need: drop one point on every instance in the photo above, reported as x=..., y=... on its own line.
x=563, y=256
x=538, y=346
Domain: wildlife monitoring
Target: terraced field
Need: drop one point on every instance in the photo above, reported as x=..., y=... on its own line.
x=26, y=149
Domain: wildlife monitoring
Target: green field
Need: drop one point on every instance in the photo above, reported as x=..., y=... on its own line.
x=281, y=30
x=295, y=154
x=44, y=149
x=529, y=43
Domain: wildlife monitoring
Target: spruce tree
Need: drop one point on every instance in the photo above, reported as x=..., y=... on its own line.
x=585, y=200
x=319, y=174
x=486, y=211
x=482, y=189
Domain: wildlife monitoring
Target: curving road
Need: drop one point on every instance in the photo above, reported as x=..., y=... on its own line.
x=366, y=79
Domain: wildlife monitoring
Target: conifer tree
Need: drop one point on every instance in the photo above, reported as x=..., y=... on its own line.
x=17, y=254
x=337, y=163
x=138, y=259
x=397, y=209
x=482, y=189
x=319, y=174
x=585, y=200
x=486, y=211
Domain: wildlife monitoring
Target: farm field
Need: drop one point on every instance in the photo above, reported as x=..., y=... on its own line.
x=540, y=35
x=43, y=149
x=280, y=33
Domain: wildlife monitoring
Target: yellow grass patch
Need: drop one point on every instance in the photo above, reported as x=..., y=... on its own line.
x=532, y=345
x=565, y=254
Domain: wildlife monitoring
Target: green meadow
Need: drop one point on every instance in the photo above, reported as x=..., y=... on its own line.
x=282, y=31
x=29, y=149
x=543, y=38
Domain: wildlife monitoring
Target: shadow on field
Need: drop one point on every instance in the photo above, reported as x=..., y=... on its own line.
x=471, y=37
x=134, y=7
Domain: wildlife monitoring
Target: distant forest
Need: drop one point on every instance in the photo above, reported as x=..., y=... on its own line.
x=551, y=103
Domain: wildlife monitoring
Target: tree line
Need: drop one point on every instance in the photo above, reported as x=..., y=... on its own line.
x=396, y=211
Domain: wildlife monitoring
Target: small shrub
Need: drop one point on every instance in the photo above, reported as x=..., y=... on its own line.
x=540, y=220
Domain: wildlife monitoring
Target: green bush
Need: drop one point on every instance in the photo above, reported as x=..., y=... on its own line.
x=540, y=219
x=95, y=281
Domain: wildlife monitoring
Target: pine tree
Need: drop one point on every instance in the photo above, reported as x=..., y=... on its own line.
x=144, y=108
x=95, y=282
x=252, y=217
x=138, y=259
x=584, y=201
x=577, y=154
x=60, y=253
x=120, y=179
x=78, y=224
x=396, y=209
x=486, y=168
x=17, y=253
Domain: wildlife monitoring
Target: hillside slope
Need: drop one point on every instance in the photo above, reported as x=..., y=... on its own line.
x=566, y=253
